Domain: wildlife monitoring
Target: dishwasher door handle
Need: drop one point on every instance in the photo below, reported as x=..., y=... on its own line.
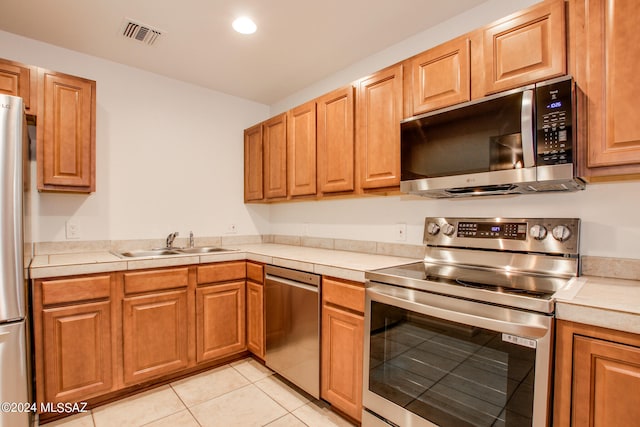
x=291, y=283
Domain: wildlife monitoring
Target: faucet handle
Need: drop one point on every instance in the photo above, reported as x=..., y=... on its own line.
x=191, y=242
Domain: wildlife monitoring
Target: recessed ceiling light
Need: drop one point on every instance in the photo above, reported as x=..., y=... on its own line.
x=244, y=25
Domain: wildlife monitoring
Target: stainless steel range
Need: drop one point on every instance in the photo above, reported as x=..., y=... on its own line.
x=465, y=338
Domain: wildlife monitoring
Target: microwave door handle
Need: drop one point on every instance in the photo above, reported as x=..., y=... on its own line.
x=528, y=153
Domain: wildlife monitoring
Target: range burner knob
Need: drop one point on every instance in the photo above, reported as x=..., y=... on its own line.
x=561, y=233
x=448, y=229
x=433, y=228
x=538, y=232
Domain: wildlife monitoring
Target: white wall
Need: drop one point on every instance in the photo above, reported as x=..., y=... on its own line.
x=169, y=154
x=609, y=212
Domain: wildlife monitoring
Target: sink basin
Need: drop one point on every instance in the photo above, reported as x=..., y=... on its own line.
x=148, y=253
x=203, y=250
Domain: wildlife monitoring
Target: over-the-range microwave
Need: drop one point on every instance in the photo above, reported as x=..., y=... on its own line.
x=514, y=142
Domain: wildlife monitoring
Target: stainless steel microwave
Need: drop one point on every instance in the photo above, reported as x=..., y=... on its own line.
x=515, y=142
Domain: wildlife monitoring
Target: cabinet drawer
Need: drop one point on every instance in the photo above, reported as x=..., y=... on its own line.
x=74, y=290
x=343, y=293
x=222, y=272
x=255, y=272
x=145, y=281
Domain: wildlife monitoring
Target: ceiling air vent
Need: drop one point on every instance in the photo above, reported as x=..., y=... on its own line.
x=140, y=32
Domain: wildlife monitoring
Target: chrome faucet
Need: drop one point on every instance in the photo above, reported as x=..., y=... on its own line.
x=170, y=238
x=191, y=242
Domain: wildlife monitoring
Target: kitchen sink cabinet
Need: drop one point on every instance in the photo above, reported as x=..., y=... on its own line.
x=336, y=141
x=66, y=133
x=18, y=79
x=438, y=77
x=604, y=46
x=379, y=105
x=220, y=310
x=253, y=180
x=255, y=309
x=155, y=323
x=301, y=150
x=74, y=338
x=597, y=372
x=525, y=47
x=342, y=345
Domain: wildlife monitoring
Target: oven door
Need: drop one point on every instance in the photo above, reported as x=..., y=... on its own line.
x=436, y=360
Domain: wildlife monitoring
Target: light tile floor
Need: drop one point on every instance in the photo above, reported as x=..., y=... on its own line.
x=243, y=393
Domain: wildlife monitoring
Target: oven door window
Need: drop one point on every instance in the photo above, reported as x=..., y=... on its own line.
x=449, y=373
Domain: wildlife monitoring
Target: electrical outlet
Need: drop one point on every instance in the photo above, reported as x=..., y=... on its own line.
x=401, y=232
x=72, y=230
x=232, y=229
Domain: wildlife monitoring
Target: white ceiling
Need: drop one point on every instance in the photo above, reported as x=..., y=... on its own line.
x=298, y=42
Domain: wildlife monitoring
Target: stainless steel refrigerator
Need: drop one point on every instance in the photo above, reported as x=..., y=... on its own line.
x=15, y=255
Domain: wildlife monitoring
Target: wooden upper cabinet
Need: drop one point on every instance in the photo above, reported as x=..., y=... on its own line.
x=274, y=140
x=440, y=77
x=301, y=150
x=66, y=132
x=336, y=141
x=253, y=182
x=525, y=47
x=379, y=111
x=605, y=56
x=19, y=80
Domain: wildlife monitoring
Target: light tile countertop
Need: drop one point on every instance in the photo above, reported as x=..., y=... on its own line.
x=601, y=301
x=330, y=262
x=598, y=301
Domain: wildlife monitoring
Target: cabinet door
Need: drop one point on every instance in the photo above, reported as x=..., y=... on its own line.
x=607, y=376
x=605, y=56
x=378, y=123
x=66, y=133
x=255, y=318
x=301, y=150
x=525, y=47
x=441, y=76
x=342, y=353
x=336, y=141
x=19, y=80
x=154, y=328
x=274, y=139
x=77, y=351
x=220, y=320
x=253, y=184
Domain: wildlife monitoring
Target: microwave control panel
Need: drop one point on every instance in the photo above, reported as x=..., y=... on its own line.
x=554, y=105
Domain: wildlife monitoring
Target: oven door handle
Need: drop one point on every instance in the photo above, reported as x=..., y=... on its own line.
x=487, y=316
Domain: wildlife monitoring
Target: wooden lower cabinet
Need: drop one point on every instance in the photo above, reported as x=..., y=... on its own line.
x=220, y=320
x=74, y=337
x=155, y=341
x=597, y=374
x=342, y=346
x=103, y=335
x=255, y=309
x=77, y=343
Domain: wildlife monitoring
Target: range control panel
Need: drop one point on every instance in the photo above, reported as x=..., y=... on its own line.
x=495, y=230
x=554, y=112
x=543, y=235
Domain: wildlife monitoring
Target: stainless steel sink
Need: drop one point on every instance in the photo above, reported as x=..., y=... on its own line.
x=203, y=250
x=148, y=253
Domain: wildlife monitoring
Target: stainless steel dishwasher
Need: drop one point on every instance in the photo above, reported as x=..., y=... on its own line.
x=292, y=326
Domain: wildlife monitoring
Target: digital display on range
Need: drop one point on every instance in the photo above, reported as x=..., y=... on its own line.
x=507, y=230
